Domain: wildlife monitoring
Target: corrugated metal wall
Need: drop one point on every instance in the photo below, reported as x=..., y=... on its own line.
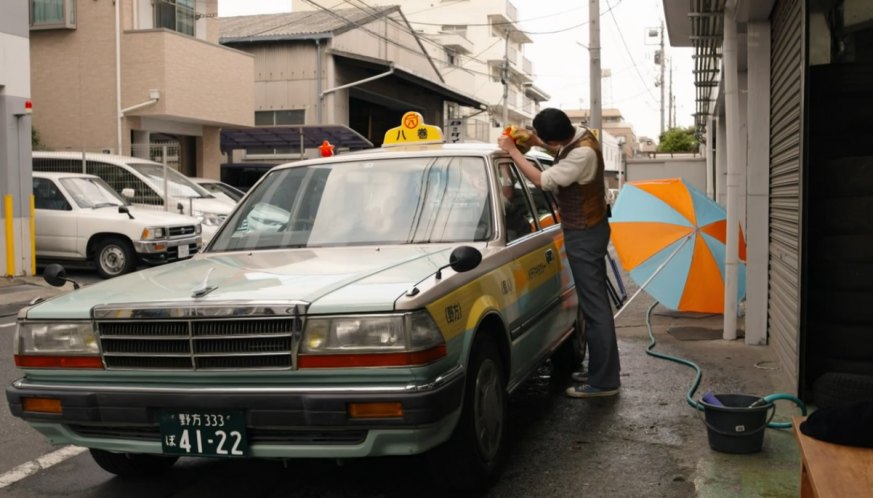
x=786, y=156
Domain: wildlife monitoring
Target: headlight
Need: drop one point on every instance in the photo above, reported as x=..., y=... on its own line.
x=198, y=228
x=153, y=233
x=208, y=219
x=56, y=338
x=370, y=333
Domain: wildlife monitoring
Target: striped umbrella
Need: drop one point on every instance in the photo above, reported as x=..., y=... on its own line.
x=670, y=237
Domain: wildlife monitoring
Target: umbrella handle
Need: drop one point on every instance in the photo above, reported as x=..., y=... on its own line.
x=653, y=275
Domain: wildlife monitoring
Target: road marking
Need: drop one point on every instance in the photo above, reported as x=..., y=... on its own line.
x=7, y=325
x=32, y=467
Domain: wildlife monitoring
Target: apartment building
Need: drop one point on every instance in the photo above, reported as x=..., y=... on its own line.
x=115, y=77
x=479, y=47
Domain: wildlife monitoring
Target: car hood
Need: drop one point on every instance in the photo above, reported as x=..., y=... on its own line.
x=157, y=218
x=333, y=280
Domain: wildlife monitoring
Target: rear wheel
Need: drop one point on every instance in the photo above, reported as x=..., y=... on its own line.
x=472, y=458
x=114, y=256
x=131, y=464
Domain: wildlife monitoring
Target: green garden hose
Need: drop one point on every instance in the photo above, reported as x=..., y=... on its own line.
x=698, y=375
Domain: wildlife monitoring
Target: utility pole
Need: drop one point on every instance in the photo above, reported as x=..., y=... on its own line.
x=505, y=78
x=671, y=115
x=594, y=65
x=662, y=77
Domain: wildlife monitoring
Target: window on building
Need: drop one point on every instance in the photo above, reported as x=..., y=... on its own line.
x=52, y=14
x=278, y=118
x=452, y=58
x=460, y=29
x=178, y=15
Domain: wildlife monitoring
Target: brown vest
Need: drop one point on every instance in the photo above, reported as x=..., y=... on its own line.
x=583, y=206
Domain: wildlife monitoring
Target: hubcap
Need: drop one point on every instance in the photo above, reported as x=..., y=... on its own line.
x=488, y=409
x=112, y=260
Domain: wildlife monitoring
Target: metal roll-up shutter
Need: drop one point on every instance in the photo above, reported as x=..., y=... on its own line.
x=786, y=130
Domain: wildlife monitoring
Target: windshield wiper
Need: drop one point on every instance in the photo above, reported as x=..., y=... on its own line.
x=104, y=204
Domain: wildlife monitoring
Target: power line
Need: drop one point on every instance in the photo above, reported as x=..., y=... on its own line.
x=624, y=43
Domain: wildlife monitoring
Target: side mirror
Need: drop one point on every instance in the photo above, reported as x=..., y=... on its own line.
x=124, y=210
x=56, y=276
x=463, y=258
x=180, y=208
x=128, y=193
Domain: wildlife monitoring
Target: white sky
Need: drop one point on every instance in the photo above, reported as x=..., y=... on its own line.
x=561, y=65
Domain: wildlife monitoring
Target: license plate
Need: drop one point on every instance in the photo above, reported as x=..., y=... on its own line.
x=183, y=251
x=204, y=433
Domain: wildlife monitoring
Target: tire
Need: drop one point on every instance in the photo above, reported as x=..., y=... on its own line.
x=114, y=256
x=837, y=389
x=130, y=464
x=472, y=459
x=569, y=356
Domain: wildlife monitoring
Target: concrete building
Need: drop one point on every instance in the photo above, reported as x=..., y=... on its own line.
x=784, y=93
x=118, y=76
x=346, y=76
x=16, y=250
x=478, y=47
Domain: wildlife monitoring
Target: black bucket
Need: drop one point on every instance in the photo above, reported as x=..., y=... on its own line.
x=737, y=426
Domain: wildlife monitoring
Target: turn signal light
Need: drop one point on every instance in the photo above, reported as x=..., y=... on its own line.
x=375, y=410
x=27, y=361
x=42, y=405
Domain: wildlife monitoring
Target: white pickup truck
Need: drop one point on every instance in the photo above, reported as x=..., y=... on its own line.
x=80, y=219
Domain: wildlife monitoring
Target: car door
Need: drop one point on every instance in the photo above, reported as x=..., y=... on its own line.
x=539, y=268
x=55, y=221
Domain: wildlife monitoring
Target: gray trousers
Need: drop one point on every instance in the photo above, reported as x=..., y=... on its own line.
x=586, y=250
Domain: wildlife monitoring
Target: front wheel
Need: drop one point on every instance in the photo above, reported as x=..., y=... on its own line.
x=114, y=256
x=131, y=464
x=472, y=458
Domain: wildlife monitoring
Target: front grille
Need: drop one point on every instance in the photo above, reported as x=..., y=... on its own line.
x=207, y=343
x=182, y=231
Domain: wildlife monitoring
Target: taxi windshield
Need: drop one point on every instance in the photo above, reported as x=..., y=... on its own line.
x=388, y=201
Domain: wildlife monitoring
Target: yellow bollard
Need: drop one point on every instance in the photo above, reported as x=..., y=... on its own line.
x=10, y=245
x=32, y=237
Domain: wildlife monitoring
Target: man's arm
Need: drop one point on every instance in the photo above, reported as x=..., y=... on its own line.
x=529, y=170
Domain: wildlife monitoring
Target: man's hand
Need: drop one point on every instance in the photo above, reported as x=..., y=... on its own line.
x=506, y=143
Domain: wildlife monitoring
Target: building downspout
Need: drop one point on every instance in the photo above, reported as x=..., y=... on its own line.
x=318, y=76
x=118, y=114
x=389, y=72
x=734, y=163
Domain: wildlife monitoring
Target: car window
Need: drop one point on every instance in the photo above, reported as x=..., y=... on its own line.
x=519, y=220
x=178, y=184
x=119, y=179
x=223, y=191
x=388, y=201
x=90, y=193
x=46, y=195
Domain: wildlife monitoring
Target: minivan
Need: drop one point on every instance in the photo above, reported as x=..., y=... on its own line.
x=143, y=183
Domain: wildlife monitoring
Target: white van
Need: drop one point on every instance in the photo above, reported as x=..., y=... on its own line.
x=142, y=182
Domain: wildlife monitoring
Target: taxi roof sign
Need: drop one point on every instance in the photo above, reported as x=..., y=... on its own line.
x=413, y=131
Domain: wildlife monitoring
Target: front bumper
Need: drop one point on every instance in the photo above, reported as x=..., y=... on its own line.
x=163, y=251
x=279, y=422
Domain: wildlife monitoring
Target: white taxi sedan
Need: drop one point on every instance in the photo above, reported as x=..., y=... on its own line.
x=383, y=302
